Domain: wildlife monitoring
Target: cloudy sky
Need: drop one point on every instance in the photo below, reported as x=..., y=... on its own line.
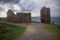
x=33, y=6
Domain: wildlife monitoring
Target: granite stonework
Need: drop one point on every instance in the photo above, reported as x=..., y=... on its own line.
x=19, y=17
x=45, y=15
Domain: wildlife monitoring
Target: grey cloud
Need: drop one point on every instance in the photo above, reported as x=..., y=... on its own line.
x=10, y=1
x=59, y=3
x=27, y=6
x=2, y=9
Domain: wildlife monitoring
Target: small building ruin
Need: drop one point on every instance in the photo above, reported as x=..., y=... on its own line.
x=45, y=15
x=19, y=17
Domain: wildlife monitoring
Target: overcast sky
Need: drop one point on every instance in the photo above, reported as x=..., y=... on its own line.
x=33, y=6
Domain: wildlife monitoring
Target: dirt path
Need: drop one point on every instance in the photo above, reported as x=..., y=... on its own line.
x=35, y=31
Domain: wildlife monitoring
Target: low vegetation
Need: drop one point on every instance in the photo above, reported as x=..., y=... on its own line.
x=55, y=29
x=52, y=27
x=10, y=31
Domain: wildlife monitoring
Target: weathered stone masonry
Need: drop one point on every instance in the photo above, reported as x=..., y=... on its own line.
x=19, y=17
x=45, y=15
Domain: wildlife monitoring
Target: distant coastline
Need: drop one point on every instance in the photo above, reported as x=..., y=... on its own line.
x=55, y=19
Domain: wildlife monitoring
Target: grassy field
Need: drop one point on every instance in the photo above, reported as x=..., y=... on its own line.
x=55, y=29
x=11, y=32
x=52, y=27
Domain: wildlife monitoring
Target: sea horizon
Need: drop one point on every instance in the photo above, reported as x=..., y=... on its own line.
x=55, y=19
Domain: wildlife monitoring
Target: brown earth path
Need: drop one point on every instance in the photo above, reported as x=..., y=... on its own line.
x=35, y=31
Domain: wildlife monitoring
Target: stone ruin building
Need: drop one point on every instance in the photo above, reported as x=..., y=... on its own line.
x=19, y=17
x=45, y=15
x=26, y=17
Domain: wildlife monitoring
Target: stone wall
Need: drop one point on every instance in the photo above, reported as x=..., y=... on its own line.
x=20, y=17
x=10, y=16
x=23, y=17
x=45, y=15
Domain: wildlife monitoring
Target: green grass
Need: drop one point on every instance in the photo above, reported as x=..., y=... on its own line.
x=11, y=32
x=52, y=27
